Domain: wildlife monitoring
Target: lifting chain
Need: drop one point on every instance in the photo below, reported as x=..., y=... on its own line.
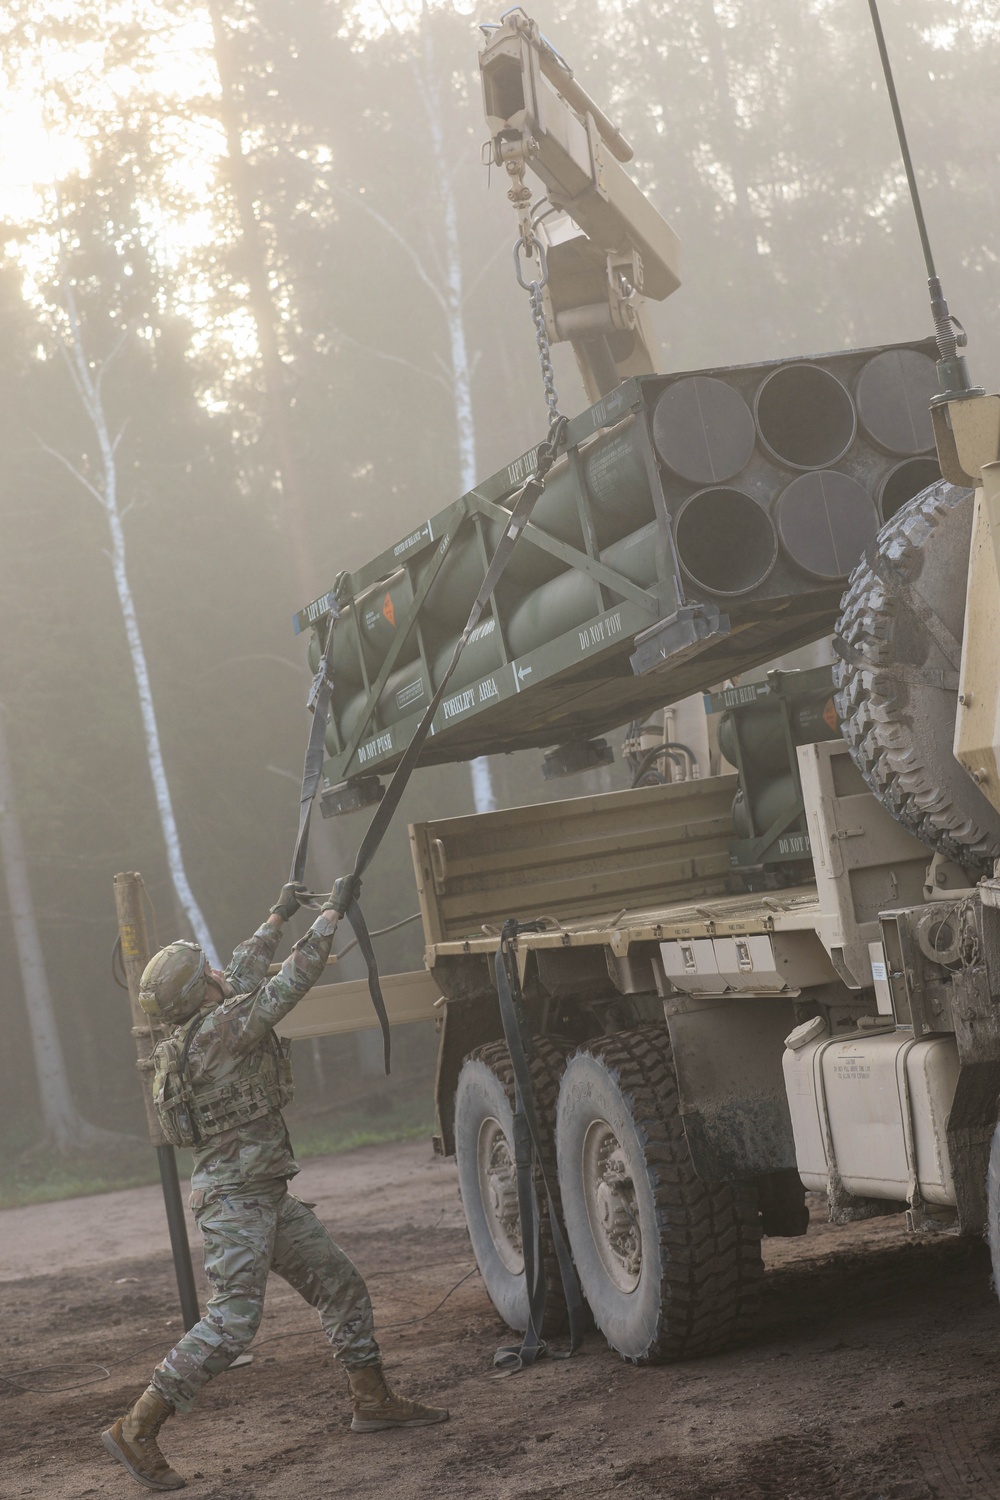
x=531, y=248
x=528, y=244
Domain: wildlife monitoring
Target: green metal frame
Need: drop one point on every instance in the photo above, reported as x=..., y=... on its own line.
x=589, y=685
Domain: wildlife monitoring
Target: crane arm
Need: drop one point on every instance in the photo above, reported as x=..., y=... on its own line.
x=607, y=247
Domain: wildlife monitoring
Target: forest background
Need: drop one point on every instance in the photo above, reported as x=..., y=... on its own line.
x=269, y=253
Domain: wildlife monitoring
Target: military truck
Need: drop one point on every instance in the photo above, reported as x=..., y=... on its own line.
x=742, y=986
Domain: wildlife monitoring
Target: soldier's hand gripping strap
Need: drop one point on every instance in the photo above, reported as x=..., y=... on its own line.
x=527, y=1160
x=520, y=515
x=289, y=902
x=345, y=890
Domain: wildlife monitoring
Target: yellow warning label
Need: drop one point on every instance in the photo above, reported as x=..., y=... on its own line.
x=830, y=715
x=130, y=940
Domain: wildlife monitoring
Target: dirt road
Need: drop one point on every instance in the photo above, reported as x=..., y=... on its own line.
x=875, y=1374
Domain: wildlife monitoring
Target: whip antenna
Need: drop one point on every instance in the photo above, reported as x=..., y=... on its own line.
x=952, y=370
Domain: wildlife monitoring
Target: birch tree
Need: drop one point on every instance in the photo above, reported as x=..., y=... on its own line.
x=100, y=481
x=446, y=286
x=452, y=299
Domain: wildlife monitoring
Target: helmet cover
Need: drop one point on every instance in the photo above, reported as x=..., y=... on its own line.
x=173, y=982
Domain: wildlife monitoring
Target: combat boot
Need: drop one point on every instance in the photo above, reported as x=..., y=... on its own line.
x=132, y=1440
x=375, y=1406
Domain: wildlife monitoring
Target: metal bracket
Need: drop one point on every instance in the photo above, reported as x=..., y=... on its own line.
x=687, y=632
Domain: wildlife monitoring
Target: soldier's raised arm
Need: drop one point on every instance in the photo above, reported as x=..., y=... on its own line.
x=257, y=1006
x=251, y=959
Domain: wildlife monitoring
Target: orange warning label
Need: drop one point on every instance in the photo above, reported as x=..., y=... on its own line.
x=388, y=611
x=830, y=715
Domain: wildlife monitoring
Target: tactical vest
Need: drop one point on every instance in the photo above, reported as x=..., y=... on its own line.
x=190, y=1114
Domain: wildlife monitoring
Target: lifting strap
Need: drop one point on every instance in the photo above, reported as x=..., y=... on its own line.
x=347, y=903
x=319, y=702
x=895, y=582
x=899, y=587
x=527, y=1159
x=935, y=677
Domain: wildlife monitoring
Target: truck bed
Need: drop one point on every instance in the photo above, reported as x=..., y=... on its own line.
x=793, y=910
x=651, y=865
x=575, y=862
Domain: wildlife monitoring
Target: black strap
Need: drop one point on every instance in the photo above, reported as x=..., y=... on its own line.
x=519, y=518
x=348, y=900
x=528, y=1160
x=899, y=671
x=319, y=702
x=900, y=587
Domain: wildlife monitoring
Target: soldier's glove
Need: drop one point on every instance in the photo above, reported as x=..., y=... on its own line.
x=290, y=900
x=345, y=890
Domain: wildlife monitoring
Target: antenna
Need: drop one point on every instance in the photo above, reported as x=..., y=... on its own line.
x=953, y=372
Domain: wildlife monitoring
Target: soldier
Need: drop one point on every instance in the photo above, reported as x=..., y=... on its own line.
x=222, y=1078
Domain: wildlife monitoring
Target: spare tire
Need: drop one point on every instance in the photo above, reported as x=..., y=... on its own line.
x=900, y=628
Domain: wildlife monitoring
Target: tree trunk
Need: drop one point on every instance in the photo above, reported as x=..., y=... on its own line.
x=483, y=795
x=151, y=731
x=87, y=381
x=63, y=1125
x=261, y=304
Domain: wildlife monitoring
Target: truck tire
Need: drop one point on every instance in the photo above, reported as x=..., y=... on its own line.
x=900, y=734
x=993, y=1208
x=484, y=1101
x=670, y=1265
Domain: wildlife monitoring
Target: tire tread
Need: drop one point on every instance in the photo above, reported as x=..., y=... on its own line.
x=712, y=1272
x=876, y=710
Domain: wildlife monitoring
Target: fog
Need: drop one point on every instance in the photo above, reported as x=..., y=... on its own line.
x=259, y=283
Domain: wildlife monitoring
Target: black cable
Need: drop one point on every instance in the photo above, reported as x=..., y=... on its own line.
x=636, y=729
x=654, y=755
x=383, y=1327
x=118, y=964
x=16, y=1381
x=680, y=745
x=380, y=932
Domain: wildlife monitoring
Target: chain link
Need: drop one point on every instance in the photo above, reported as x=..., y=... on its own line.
x=544, y=354
x=531, y=247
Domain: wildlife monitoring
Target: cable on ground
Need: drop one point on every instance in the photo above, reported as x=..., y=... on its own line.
x=17, y=1381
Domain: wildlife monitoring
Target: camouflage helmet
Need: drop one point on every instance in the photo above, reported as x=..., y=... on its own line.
x=173, y=982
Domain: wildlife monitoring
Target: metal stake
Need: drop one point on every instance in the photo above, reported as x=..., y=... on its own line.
x=177, y=1225
x=135, y=956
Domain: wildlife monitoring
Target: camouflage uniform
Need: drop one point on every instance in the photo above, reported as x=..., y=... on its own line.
x=250, y=1222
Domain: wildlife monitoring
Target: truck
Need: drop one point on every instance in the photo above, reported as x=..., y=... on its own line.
x=740, y=987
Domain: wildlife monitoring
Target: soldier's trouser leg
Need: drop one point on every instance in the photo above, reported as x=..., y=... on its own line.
x=308, y=1259
x=239, y=1231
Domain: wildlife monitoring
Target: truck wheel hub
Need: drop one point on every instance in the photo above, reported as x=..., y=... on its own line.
x=498, y=1185
x=611, y=1206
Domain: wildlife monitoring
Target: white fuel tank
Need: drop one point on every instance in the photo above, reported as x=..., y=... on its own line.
x=878, y=1105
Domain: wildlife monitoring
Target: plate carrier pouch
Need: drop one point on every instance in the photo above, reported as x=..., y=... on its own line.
x=189, y=1115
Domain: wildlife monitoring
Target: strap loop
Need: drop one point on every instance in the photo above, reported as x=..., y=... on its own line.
x=945, y=680
x=527, y=1159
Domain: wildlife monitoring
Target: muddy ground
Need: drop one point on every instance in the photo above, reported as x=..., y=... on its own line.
x=875, y=1373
